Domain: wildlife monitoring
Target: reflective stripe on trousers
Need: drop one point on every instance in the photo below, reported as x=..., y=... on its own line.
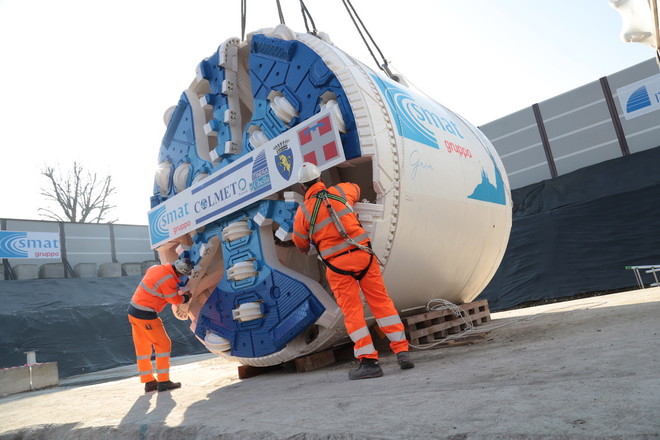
x=363, y=345
x=150, y=335
x=347, y=291
x=392, y=327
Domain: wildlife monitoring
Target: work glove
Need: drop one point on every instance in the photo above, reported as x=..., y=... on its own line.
x=186, y=297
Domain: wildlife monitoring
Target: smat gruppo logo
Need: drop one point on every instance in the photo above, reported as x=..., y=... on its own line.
x=10, y=244
x=29, y=244
x=416, y=120
x=157, y=229
x=641, y=97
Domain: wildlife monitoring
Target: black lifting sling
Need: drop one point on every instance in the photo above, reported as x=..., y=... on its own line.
x=322, y=197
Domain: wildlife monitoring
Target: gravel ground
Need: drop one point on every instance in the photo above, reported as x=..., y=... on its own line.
x=582, y=369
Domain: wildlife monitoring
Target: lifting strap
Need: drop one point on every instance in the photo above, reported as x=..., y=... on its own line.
x=357, y=21
x=303, y=9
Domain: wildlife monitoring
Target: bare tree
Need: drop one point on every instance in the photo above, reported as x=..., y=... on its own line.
x=82, y=195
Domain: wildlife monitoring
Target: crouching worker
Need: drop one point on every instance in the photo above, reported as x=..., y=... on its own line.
x=159, y=286
x=326, y=220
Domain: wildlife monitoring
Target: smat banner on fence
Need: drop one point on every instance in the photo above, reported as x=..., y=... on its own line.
x=15, y=244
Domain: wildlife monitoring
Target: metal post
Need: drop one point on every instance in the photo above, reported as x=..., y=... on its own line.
x=31, y=360
x=68, y=270
x=614, y=115
x=113, y=245
x=545, y=140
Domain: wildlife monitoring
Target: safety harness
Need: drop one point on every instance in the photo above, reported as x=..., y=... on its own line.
x=322, y=197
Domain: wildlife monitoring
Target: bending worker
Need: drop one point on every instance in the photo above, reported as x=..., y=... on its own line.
x=326, y=220
x=159, y=286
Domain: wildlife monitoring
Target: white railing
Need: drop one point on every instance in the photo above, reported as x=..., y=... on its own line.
x=652, y=269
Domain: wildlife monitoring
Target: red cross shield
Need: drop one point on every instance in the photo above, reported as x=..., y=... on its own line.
x=317, y=142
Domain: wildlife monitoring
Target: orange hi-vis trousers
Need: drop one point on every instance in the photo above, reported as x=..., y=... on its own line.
x=150, y=334
x=347, y=292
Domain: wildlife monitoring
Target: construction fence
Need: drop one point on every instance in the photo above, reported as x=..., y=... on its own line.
x=615, y=116
x=85, y=250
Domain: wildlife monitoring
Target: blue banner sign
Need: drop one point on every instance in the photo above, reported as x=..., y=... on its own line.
x=29, y=244
x=641, y=97
x=264, y=171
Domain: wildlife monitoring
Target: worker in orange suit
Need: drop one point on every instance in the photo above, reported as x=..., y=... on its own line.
x=326, y=220
x=159, y=286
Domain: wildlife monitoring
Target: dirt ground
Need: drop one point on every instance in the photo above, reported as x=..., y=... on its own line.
x=583, y=369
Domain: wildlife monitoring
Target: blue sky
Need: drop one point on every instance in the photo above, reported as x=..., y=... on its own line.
x=89, y=80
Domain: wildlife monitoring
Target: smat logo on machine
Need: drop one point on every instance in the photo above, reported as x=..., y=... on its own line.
x=455, y=148
x=417, y=120
x=158, y=225
x=29, y=244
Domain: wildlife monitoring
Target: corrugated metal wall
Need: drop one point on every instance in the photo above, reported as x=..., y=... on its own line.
x=574, y=130
x=89, y=250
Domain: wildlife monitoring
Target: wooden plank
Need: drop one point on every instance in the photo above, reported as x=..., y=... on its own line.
x=428, y=316
x=478, y=308
x=314, y=361
x=321, y=359
x=444, y=328
x=247, y=371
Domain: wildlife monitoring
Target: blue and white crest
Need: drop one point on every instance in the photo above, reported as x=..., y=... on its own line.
x=284, y=162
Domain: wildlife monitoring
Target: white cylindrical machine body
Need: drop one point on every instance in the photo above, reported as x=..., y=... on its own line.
x=444, y=195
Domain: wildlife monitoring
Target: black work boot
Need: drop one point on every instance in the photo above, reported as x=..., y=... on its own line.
x=367, y=369
x=168, y=385
x=150, y=386
x=403, y=358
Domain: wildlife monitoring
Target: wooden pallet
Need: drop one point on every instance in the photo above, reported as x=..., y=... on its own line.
x=434, y=326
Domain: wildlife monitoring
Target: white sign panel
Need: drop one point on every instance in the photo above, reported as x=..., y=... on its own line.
x=641, y=97
x=29, y=244
x=264, y=171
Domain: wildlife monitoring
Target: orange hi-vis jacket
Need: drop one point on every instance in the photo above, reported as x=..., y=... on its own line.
x=349, y=271
x=325, y=236
x=159, y=286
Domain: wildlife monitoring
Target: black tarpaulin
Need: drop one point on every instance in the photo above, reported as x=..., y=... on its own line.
x=79, y=323
x=576, y=233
